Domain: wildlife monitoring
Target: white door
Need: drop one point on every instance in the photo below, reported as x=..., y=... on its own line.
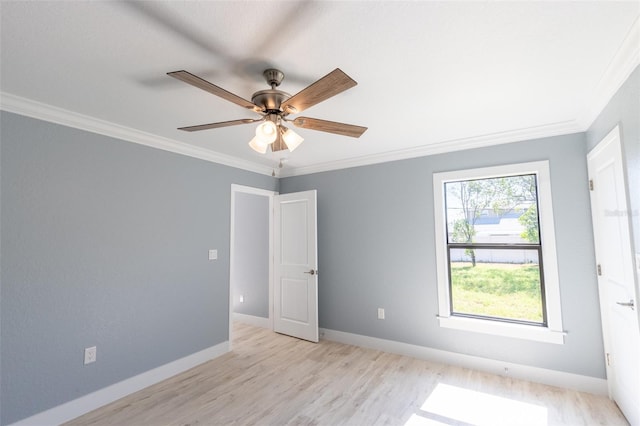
x=617, y=287
x=296, y=265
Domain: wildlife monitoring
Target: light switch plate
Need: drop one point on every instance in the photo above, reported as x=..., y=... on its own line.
x=213, y=254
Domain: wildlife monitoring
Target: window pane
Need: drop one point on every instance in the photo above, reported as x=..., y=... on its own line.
x=504, y=283
x=498, y=210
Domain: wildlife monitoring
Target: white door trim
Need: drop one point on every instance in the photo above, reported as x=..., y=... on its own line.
x=235, y=188
x=611, y=148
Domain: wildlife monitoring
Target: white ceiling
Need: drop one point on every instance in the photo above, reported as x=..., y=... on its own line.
x=432, y=76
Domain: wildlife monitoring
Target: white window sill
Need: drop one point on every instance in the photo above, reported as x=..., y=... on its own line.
x=519, y=331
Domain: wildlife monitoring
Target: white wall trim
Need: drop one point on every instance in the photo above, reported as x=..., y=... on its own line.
x=524, y=372
x=626, y=59
x=252, y=320
x=613, y=137
x=514, y=331
x=77, y=407
x=537, y=132
x=251, y=190
x=41, y=111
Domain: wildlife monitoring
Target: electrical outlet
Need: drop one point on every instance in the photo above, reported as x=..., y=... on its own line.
x=213, y=254
x=381, y=313
x=90, y=355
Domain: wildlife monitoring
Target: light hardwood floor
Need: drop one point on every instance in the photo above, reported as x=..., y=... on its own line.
x=270, y=379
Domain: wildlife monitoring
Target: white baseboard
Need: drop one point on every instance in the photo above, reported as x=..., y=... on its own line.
x=252, y=320
x=533, y=374
x=72, y=409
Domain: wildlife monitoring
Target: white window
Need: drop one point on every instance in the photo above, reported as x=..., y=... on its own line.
x=496, y=255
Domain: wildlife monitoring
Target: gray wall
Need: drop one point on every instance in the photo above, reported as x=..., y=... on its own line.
x=624, y=109
x=376, y=249
x=104, y=243
x=251, y=254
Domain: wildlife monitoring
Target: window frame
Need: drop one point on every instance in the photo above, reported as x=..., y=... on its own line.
x=552, y=331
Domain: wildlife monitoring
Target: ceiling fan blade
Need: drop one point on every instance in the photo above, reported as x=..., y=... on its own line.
x=200, y=83
x=220, y=124
x=329, y=126
x=330, y=85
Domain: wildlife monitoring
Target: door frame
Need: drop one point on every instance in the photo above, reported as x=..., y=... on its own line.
x=613, y=138
x=235, y=188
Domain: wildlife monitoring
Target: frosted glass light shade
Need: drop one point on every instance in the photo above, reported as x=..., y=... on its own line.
x=258, y=145
x=292, y=139
x=267, y=132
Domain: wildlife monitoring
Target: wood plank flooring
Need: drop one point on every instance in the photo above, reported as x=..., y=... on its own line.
x=270, y=379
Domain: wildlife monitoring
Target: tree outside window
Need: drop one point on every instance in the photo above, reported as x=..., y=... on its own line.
x=494, y=249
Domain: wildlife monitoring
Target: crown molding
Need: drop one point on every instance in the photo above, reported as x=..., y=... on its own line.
x=536, y=132
x=42, y=111
x=624, y=62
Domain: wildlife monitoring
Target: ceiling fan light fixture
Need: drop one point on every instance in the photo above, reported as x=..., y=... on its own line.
x=267, y=132
x=258, y=145
x=291, y=138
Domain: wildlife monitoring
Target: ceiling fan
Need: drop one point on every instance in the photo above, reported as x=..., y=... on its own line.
x=274, y=106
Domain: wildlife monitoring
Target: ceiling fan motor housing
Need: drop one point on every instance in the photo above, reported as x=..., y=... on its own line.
x=270, y=100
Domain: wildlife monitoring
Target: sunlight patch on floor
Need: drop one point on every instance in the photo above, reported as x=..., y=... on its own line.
x=458, y=405
x=418, y=420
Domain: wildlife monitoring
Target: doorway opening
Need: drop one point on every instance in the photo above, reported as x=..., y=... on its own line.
x=250, y=254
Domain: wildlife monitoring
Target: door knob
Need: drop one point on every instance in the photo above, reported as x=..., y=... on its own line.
x=629, y=304
x=312, y=272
